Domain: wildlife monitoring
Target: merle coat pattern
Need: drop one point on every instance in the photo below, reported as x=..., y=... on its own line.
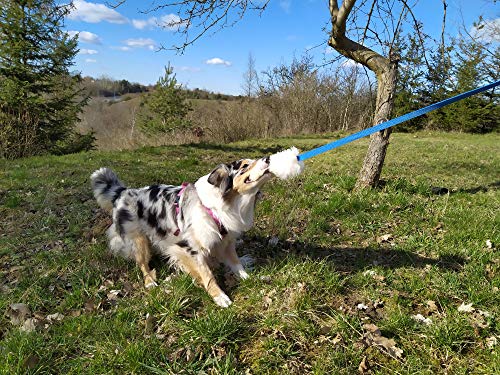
x=187, y=224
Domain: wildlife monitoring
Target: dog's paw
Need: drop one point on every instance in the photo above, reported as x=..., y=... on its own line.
x=150, y=284
x=248, y=262
x=242, y=274
x=222, y=300
x=150, y=280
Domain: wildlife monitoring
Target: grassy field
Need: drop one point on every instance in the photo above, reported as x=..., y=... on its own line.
x=339, y=281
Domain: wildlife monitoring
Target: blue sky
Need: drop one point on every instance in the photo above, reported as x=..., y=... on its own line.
x=123, y=43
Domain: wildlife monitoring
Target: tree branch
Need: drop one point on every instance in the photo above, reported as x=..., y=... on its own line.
x=347, y=47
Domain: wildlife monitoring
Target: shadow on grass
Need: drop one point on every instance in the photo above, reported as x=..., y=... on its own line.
x=346, y=259
x=479, y=189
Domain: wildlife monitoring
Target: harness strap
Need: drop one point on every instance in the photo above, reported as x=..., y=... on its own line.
x=213, y=215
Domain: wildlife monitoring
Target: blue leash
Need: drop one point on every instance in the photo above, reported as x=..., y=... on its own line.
x=394, y=121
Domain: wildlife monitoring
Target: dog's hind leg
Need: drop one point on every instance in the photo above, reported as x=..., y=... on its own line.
x=142, y=255
x=195, y=264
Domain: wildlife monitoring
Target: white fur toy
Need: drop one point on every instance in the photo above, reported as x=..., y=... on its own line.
x=284, y=164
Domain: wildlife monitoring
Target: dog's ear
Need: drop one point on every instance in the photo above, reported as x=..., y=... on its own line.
x=221, y=177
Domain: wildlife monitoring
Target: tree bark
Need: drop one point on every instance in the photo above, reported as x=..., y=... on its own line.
x=369, y=174
x=385, y=69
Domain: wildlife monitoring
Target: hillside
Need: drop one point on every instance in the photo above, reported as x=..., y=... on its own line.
x=332, y=265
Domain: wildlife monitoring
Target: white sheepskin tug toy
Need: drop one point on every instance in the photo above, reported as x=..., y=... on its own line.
x=284, y=164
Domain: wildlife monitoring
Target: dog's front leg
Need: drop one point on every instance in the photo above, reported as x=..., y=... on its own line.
x=227, y=255
x=194, y=262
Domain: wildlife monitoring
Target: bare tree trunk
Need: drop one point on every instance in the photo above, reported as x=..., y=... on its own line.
x=385, y=69
x=369, y=174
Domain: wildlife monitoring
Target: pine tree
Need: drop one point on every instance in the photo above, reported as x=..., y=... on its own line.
x=165, y=109
x=411, y=77
x=474, y=67
x=40, y=99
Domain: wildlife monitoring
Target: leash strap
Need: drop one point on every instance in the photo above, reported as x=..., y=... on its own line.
x=398, y=120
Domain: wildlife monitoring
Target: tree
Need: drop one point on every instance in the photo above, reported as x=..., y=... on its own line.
x=199, y=16
x=165, y=109
x=40, y=99
x=250, y=84
x=479, y=113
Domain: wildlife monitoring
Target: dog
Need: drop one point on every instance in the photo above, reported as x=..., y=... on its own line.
x=187, y=224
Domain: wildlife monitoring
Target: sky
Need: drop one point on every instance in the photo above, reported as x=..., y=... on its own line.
x=124, y=43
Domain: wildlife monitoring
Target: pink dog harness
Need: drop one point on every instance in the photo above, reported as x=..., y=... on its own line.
x=222, y=229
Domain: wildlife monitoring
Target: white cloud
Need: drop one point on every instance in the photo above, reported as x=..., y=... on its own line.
x=85, y=51
x=190, y=69
x=217, y=61
x=141, y=43
x=85, y=36
x=348, y=63
x=285, y=5
x=122, y=48
x=487, y=31
x=170, y=22
x=95, y=13
x=90, y=60
x=328, y=50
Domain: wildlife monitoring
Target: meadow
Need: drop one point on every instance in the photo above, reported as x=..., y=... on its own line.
x=401, y=279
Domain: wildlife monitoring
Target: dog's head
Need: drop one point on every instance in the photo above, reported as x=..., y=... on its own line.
x=242, y=177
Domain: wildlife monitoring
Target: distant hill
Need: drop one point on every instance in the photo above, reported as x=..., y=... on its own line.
x=110, y=88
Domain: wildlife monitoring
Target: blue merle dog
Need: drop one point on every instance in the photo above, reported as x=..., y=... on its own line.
x=188, y=224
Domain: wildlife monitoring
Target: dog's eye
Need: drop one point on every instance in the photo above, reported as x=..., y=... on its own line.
x=244, y=166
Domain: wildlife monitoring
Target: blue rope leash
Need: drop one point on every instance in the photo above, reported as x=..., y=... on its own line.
x=392, y=122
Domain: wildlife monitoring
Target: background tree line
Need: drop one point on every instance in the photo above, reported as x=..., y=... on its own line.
x=42, y=100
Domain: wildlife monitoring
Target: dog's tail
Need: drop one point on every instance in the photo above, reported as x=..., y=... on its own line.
x=107, y=188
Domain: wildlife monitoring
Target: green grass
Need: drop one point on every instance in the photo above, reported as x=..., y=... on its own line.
x=298, y=312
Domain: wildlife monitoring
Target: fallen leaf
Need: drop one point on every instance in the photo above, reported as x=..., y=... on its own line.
x=438, y=227
x=361, y=306
x=486, y=314
x=18, y=313
x=266, y=279
x=422, y=319
x=384, y=238
x=29, y=325
x=267, y=301
x=431, y=306
x=75, y=313
x=372, y=328
x=114, y=294
x=89, y=306
x=373, y=337
x=54, y=317
x=491, y=342
x=364, y=367
x=337, y=339
x=189, y=355
x=374, y=275
x=466, y=308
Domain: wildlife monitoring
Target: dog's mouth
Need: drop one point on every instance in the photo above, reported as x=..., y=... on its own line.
x=249, y=180
x=258, y=171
